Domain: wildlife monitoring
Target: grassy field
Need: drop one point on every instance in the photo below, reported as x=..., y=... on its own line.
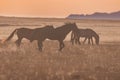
x=75, y=62
x=85, y=62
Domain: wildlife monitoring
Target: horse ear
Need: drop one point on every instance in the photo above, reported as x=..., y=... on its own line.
x=74, y=23
x=52, y=26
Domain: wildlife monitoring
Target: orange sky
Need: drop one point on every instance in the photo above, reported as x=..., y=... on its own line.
x=56, y=8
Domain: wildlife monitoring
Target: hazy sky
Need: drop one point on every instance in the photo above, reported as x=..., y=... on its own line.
x=56, y=8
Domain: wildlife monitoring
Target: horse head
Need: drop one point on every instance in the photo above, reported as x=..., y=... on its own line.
x=49, y=27
x=72, y=26
x=97, y=39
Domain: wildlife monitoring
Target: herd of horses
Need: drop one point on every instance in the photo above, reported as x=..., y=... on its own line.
x=59, y=34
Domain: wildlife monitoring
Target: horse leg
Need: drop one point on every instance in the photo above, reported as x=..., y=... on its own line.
x=40, y=45
x=72, y=40
x=62, y=45
x=18, y=42
x=84, y=40
x=88, y=40
x=78, y=40
x=92, y=40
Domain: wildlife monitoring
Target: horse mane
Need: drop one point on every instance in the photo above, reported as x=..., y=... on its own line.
x=48, y=26
x=62, y=26
x=69, y=23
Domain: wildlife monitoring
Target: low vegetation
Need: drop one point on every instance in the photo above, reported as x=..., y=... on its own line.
x=85, y=62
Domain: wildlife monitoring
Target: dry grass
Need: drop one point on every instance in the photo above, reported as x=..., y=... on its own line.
x=83, y=62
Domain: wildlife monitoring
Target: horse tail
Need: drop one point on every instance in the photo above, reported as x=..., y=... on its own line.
x=11, y=35
x=96, y=36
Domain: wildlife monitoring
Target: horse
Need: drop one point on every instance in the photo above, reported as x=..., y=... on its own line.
x=41, y=34
x=30, y=34
x=87, y=33
x=58, y=34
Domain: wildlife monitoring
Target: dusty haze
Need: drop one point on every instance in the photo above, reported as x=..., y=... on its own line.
x=56, y=8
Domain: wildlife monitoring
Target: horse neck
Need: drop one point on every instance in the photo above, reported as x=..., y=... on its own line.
x=67, y=30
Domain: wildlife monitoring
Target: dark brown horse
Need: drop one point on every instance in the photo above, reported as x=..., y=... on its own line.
x=58, y=34
x=87, y=33
x=30, y=34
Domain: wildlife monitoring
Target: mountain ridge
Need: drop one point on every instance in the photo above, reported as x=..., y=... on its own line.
x=96, y=15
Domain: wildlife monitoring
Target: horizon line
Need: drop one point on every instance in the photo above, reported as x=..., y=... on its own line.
x=25, y=16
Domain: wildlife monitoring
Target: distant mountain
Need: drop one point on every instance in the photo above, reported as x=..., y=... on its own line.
x=96, y=15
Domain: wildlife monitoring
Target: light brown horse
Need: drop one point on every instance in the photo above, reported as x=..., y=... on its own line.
x=87, y=33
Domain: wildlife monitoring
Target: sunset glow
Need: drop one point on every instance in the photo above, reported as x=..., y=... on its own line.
x=56, y=8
